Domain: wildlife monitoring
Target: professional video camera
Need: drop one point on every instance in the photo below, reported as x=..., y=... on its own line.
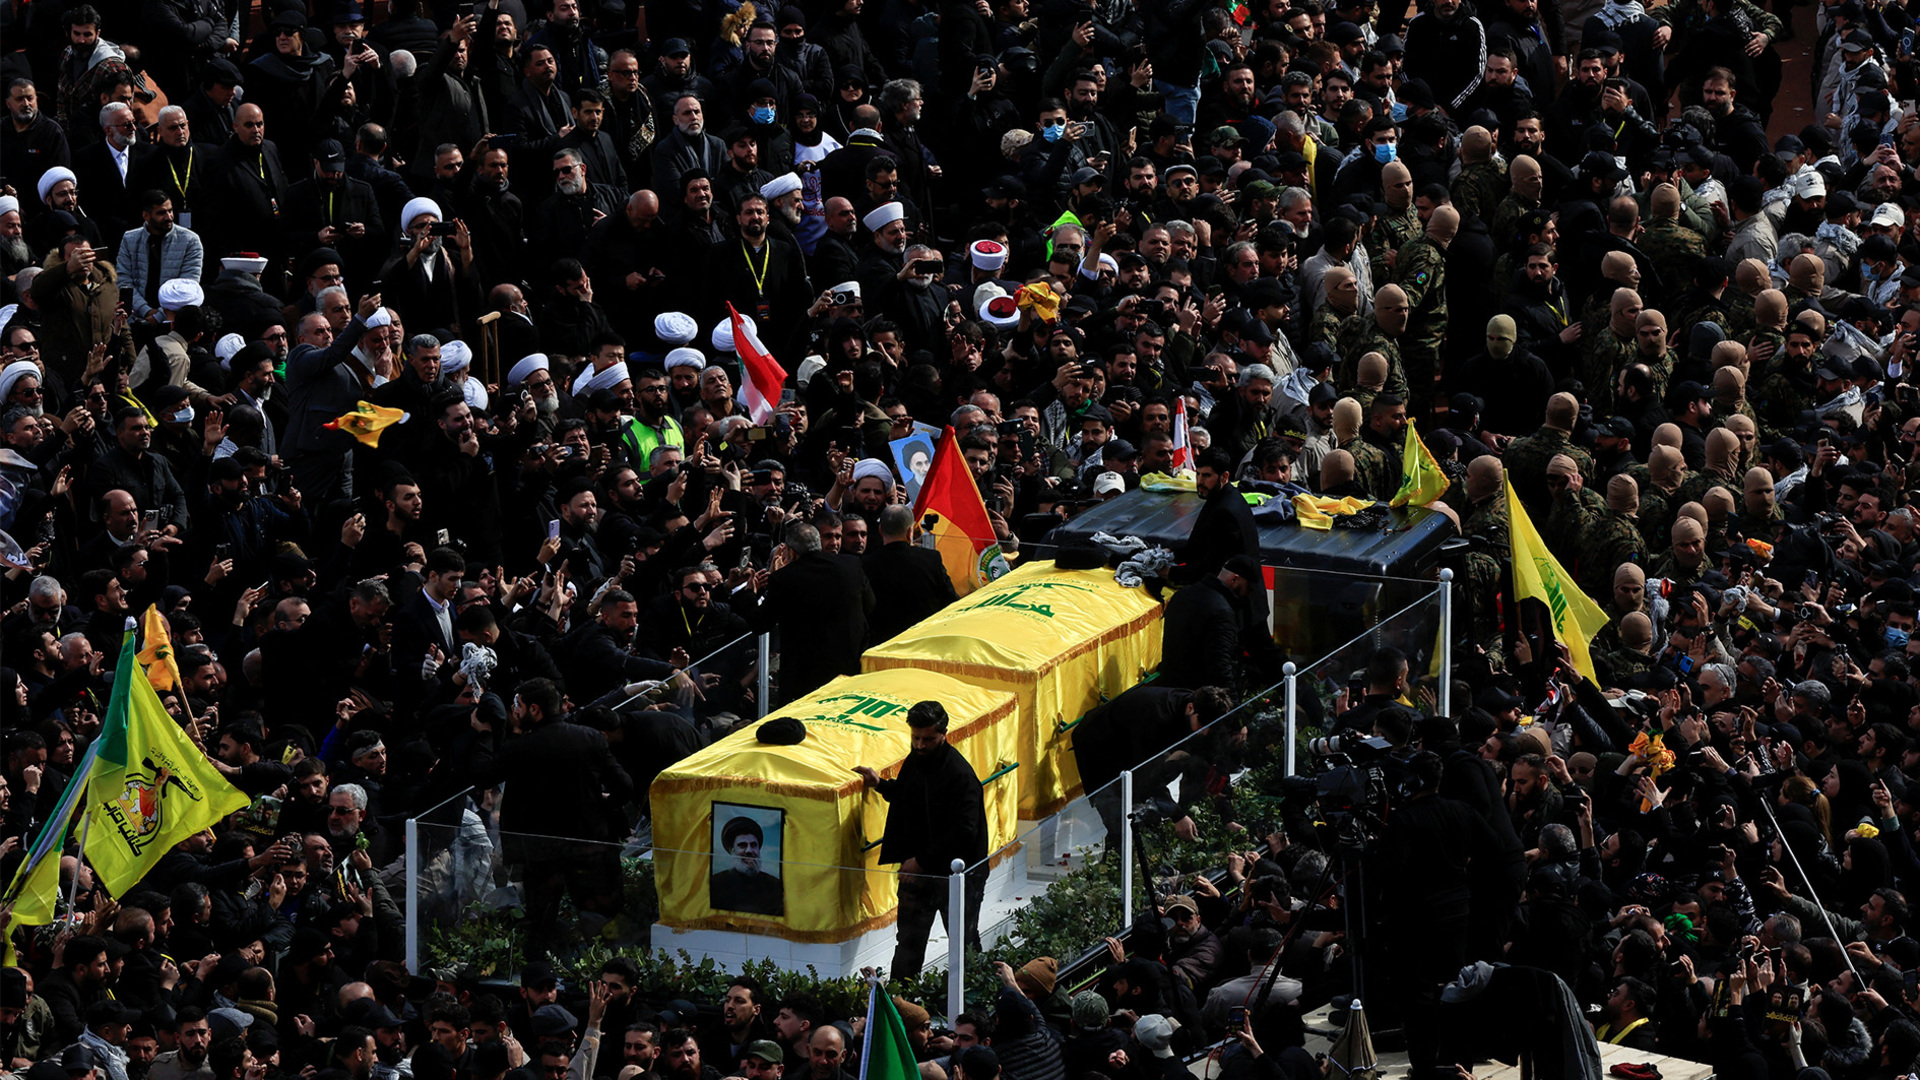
x=1350, y=786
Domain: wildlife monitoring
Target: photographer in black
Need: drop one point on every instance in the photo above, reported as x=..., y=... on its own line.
x=1146, y=723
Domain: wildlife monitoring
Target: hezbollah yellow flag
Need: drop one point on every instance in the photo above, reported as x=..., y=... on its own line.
x=34, y=893
x=366, y=421
x=1421, y=480
x=156, y=659
x=150, y=787
x=1537, y=574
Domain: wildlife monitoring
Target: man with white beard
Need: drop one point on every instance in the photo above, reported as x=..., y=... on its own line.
x=160, y=250
x=559, y=226
x=15, y=255
x=915, y=301
x=103, y=169
x=888, y=254
x=430, y=275
x=688, y=146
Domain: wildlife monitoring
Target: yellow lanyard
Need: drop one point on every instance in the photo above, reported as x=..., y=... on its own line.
x=331, y=196
x=760, y=275
x=179, y=183
x=688, y=625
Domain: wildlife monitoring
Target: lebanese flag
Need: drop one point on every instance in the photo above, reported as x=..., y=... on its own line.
x=954, y=519
x=1182, y=453
x=761, y=376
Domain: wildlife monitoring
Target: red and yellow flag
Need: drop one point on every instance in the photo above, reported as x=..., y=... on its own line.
x=366, y=421
x=951, y=511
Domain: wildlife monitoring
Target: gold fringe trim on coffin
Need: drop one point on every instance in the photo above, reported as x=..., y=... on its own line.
x=804, y=937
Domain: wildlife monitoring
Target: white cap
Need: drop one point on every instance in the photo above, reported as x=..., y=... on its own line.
x=988, y=254
x=380, y=317
x=12, y=372
x=9, y=205
x=1001, y=311
x=873, y=467
x=848, y=286
x=609, y=378
x=675, y=328
x=528, y=364
x=455, y=356
x=811, y=366
x=176, y=293
x=474, y=391
x=883, y=215
x=783, y=184
x=1888, y=214
x=245, y=262
x=1108, y=262
x=1108, y=482
x=685, y=357
x=722, y=336
x=1811, y=184
x=53, y=176
x=227, y=346
x=415, y=207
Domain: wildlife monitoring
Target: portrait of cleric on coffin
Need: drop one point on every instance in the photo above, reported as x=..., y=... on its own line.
x=746, y=849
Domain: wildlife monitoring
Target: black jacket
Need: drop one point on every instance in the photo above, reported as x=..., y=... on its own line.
x=936, y=812
x=1224, y=528
x=570, y=780
x=1208, y=632
x=913, y=580
x=820, y=603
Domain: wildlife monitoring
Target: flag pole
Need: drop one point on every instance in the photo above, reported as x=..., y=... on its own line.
x=86, y=823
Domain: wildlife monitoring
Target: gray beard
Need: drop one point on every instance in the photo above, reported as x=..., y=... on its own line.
x=36, y=409
x=17, y=249
x=547, y=406
x=434, y=247
x=570, y=186
x=790, y=215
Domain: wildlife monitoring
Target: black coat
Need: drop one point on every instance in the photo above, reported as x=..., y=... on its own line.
x=820, y=603
x=1139, y=724
x=913, y=580
x=1224, y=528
x=570, y=781
x=1203, y=637
x=109, y=198
x=936, y=812
x=309, y=209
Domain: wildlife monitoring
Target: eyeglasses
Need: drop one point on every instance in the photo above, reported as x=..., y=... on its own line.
x=27, y=346
x=697, y=586
x=341, y=809
x=282, y=335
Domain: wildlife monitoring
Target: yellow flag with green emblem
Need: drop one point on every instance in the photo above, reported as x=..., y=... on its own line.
x=1421, y=480
x=150, y=788
x=1537, y=574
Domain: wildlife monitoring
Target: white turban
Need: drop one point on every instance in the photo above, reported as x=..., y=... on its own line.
x=455, y=357
x=609, y=378
x=1108, y=262
x=675, y=328
x=1002, y=311
x=176, y=293
x=848, y=287
x=379, y=318
x=9, y=205
x=527, y=366
x=780, y=185
x=988, y=254
x=415, y=207
x=53, y=176
x=6, y=313
x=684, y=357
x=883, y=215
x=872, y=467
x=811, y=366
x=475, y=392
x=227, y=346
x=12, y=372
x=246, y=262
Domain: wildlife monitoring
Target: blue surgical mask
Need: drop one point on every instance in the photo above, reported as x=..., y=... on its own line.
x=762, y=114
x=1052, y=132
x=1896, y=638
x=1384, y=153
x=1399, y=112
x=184, y=416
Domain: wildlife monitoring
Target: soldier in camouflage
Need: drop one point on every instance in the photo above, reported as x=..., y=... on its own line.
x=1527, y=457
x=1610, y=538
x=1617, y=271
x=1482, y=182
x=1673, y=248
x=1633, y=648
x=1686, y=558
x=1759, y=517
x=1574, y=505
x=1650, y=345
x=1789, y=387
x=1373, y=380
x=1343, y=301
x=1399, y=224
x=1377, y=450
x=1730, y=390
x=1523, y=196
x=1629, y=595
x=1421, y=272
x=1488, y=520
x=1608, y=348
x=1380, y=331
x=1666, y=469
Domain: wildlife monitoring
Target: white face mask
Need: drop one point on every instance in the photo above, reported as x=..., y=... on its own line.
x=184, y=416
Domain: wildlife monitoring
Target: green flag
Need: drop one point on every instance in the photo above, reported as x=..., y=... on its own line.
x=885, y=1053
x=151, y=787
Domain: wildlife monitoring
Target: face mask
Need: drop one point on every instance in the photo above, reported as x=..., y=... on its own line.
x=1896, y=638
x=1399, y=112
x=184, y=416
x=762, y=114
x=1385, y=153
x=1052, y=132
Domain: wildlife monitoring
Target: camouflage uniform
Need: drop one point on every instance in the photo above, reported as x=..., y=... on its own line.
x=1421, y=270
x=1708, y=311
x=1479, y=189
x=1739, y=321
x=1673, y=249
x=1657, y=511
x=1603, y=353
x=1526, y=460
x=1359, y=335
x=1782, y=397
x=1661, y=367
x=1680, y=575
x=1616, y=666
x=1485, y=569
x=1365, y=397
x=1325, y=327
x=1390, y=233
x=1747, y=526
x=1501, y=286
x=1374, y=468
x=1570, y=514
x=1606, y=539
x=1507, y=215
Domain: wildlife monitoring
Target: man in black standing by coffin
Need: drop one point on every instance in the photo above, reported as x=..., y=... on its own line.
x=936, y=813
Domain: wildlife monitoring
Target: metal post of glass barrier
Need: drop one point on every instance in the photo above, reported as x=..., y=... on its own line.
x=413, y=896
x=1445, y=695
x=1126, y=846
x=766, y=650
x=956, y=940
x=1293, y=705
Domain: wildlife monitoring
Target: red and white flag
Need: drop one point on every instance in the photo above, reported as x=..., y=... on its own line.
x=761, y=376
x=1182, y=453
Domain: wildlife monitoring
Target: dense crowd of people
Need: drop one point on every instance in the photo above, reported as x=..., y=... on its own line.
x=394, y=354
